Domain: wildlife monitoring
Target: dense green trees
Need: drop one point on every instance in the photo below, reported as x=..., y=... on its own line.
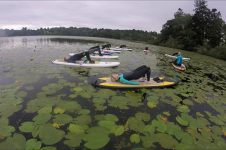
x=205, y=31
x=134, y=35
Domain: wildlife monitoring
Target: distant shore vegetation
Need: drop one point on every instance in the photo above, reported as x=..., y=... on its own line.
x=203, y=32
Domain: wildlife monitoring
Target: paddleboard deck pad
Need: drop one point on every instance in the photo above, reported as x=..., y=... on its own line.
x=158, y=82
x=179, y=68
x=88, y=65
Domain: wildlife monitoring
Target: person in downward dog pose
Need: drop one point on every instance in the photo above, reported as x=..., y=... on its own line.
x=126, y=78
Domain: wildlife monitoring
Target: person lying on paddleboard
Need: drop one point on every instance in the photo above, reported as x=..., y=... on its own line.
x=133, y=75
x=179, y=59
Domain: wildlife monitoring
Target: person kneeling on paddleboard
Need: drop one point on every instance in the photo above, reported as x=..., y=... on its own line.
x=78, y=57
x=133, y=75
x=179, y=59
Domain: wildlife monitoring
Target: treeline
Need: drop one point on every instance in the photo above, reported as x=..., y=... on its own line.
x=133, y=35
x=203, y=32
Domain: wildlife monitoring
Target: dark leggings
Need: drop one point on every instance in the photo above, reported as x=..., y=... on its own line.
x=138, y=73
x=79, y=56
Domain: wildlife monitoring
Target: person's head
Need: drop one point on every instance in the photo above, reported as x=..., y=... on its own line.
x=114, y=77
x=179, y=53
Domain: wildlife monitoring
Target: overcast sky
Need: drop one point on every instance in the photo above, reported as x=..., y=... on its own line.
x=143, y=15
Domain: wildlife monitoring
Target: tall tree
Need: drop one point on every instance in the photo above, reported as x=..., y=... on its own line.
x=207, y=24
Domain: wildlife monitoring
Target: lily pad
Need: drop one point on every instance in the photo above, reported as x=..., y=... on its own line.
x=17, y=142
x=135, y=138
x=73, y=140
x=62, y=119
x=58, y=110
x=76, y=129
x=42, y=118
x=181, y=121
x=33, y=144
x=142, y=116
x=183, y=108
x=152, y=104
x=50, y=135
x=27, y=127
x=48, y=148
x=118, y=130
x=107, y=124
x=96, y=140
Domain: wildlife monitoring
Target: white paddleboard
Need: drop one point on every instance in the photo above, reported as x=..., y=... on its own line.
x=99, y=57
x=120, y=49
x=88, y=65
x=110, y=51
x=174, y=57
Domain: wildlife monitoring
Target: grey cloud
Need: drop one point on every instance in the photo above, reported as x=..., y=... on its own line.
x=144, y=15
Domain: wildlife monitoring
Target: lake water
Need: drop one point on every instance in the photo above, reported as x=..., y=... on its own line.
x=46, y=106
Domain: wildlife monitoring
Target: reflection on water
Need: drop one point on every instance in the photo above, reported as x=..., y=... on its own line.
x=38, y=96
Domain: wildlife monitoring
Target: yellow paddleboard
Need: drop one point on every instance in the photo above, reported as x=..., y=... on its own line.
x=106, y=82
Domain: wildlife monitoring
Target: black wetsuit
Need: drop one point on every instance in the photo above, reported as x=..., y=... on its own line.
x=138, y=73
x=79, y=56
x=106, y=46
x=96, y=48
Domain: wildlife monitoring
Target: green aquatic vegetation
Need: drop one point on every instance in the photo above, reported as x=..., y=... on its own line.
x=111, y=117
x=142, y=116
x=27, y=127
x=152, y=104
x=182, y=121
x=76, y=129
x=40, y=102
x=82, y=120
x=159, y=125
x=33, y=144
x=73, y=140
x=45, y=110
x=41, y=118
x=51, y=88
x=183, y=108
x=16, y=142
x=107, y=124
x=104, y=94
x=165, y=140
x=148, y=141
x=120, y=102
x=118, y=130
x=96, y=138
x=69, y=106
x=187, y=102
x=136, y=125
x=58, y=110
x=49, y=135
x=7, y=110
x=166, y=113
x=99, y=103
x=150, y=128
x=135, y=138
x=62, y=119
x=48, y=148
x=6, y=131
x=84, y=111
